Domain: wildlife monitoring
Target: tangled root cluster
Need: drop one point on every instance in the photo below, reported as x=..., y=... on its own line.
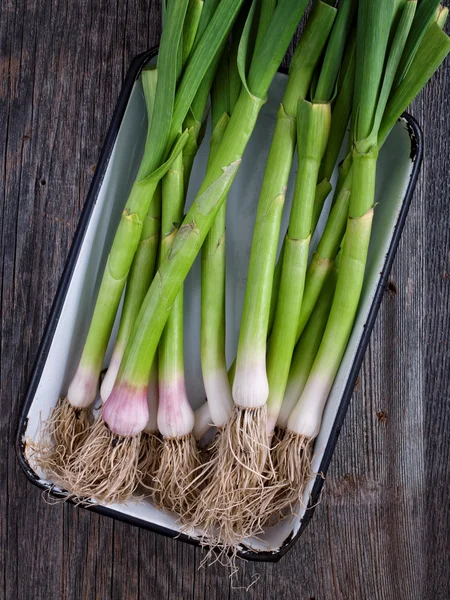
x=175, y=488
x=63, y=434
x=105, y=467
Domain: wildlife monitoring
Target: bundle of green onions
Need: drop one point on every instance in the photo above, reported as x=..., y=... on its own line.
x=359, y=63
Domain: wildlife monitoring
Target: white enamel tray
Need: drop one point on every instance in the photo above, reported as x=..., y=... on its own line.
x=61, y=346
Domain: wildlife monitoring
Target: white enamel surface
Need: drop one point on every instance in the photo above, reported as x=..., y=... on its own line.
x=394, y=169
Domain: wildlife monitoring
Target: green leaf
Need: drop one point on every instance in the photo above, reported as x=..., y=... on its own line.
x=335, y=51
x=432, y=51
x=426, y=12
x=395, y=54
x=158, y=173
x=209, y=7
x=149, y=78
x=190, y=28
x=269, y=54
x=211, y=198
x=265, y=15
x=201, y=58
x=165, y=88
x=243, y=55
x=374, y=24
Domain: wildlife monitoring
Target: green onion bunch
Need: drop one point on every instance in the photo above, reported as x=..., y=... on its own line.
x=356, y=68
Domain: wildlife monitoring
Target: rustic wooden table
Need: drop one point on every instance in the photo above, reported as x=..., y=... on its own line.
x=382, y=530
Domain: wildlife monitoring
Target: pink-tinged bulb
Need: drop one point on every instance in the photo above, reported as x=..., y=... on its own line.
x=126, y=410
x=83, y=388
x=175, y=414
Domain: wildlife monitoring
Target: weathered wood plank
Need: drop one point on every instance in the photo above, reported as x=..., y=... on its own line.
x=435, y=194
x=382, y=528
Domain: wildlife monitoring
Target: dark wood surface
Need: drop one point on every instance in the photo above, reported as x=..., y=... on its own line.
x=382, y=530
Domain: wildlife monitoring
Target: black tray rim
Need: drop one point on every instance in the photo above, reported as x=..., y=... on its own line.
x=137, y=64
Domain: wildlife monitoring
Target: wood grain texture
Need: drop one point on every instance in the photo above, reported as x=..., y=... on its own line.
x=382, y=530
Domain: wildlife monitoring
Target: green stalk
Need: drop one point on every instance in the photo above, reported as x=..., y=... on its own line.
x=314, y=139
x=304, y=419
x=374, y=25
x=175, y=415
x=313, y=123
x=219, y=176
x=251, y=356
x=143, y=266
x=234, y=79
x=306, y=350
x=169, y=113
x=82, y=390
x=322, y=260
x=432, y=51
x=193, y=122
x=213, y=295
x=340, y=116
x=372, y=89
x=141, y=275
x=207, y=13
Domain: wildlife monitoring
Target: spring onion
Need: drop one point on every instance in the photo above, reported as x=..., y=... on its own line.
x=378, y=104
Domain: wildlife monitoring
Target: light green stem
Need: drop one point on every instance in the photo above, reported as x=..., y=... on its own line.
x=324, y=256
x=306, y=349
x=254, y=324
x=346, y=298
x=213, y=272
x=213, y=297
x=313, y=123
x=306, y=416
x=339, y=120
x=171, y=357
x=144, y=262
x=139, y=279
